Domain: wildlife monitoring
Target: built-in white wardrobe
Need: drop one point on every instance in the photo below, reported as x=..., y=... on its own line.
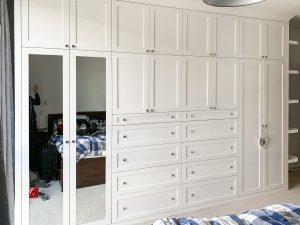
x=197, y=101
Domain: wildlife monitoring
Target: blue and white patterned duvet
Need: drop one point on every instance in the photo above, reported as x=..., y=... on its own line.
x=283, y=214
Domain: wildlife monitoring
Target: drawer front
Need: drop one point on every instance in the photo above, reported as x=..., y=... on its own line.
x=209, y=169
x=203, y=150
x=146, y=118
x=146, y=179
x=146, y=203
x=147, y=156
x=209, y=191
x=147, y=134
x=213, y=129
x=210, y=115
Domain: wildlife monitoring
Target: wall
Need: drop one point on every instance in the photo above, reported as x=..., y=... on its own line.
x=46, y=71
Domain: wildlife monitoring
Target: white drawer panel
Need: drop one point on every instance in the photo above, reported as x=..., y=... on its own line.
x=209, y=169
x=146, y=156
x=213, y=149
x=147, y=134
x=146, y=179
x=212, y=129
x=146, y=203
x=209, y=191
x=132, y=119
x=210, y=115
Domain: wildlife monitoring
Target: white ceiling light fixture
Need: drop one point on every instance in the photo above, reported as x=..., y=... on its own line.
x=231, y=3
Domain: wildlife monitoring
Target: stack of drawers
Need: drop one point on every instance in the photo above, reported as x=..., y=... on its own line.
x=146, y=164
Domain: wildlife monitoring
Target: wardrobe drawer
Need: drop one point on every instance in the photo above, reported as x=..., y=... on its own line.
x=146, y=203
x=209, y=169
x=146, y=134
x=146, y=118
x=209, y=191
x=146, y=179
x=210, y=115
x=203, y=150
x=146, y=156
x=212, y=129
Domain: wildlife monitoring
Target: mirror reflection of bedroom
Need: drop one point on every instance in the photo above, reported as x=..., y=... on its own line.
x=46, y=139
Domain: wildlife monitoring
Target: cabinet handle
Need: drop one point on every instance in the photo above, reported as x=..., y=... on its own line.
x=124, y=208
x=231, y=114
x=147, y=110
x=231, y=128
x=67, y=46
x=192, y=116
x=73, y=46
x=124, y=183
x=192, y=152
x=73, y=141
x=231, y=188
x=172, y=153
x=152, y=110
x=192, y=131
x=231, y=167
x=172, y=132
x=173, y=175
x=192, y=172
x=147, y=50
x=173, y=117
x=152, y=50
x=231, y=147
x=192, y=195
x=173, y=199
x=67, y=142
x=124, y=160
x=124, y=136
x=124, y=120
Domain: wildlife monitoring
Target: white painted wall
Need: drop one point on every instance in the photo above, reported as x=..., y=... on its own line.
x=46, y=71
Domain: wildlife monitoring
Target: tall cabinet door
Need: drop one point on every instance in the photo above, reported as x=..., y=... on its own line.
x=274, y=75
x=130, y=32
x=165, y=30
x=198, y=85
x=275, y=40
x=251, y=38
x=227, y=83
x=165, y=83
x=130, y=83
x=45, y=23
x=90, y=25
x=226, y=36
x=197, y=33
x=251, y=163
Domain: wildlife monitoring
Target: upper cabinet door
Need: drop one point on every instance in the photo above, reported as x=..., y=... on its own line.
x=45, y=23
x=165, y=30
x=197, y=33
x=197, y=83
x=226, y=36
x=165, y=83
x=90, y=25
x=130, y=83
x=251, y=38
x=130, y=27
x=275, y=40
x=227, y=83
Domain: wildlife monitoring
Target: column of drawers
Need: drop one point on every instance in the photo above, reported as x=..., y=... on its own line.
x=146, y=165
x=210, y=145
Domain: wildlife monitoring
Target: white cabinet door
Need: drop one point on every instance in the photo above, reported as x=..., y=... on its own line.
x=251, y=158
x=165, y=83
x=274, y=75
x=45, y=23
x=227, y=83
x=197, y=33
x=251, y=38
x=130, y=83
x=165, y=30
x=226, y=36
x=197, y=83
x=90, y=25
x=275, y=40
x=130, y=27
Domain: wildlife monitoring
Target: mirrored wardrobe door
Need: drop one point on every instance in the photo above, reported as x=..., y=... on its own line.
x=45, y=137
x=88, y=108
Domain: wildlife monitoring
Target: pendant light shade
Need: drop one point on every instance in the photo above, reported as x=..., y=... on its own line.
x=231, y=3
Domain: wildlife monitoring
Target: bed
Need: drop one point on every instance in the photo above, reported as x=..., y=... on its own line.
x=279, y=214
x=90, y=152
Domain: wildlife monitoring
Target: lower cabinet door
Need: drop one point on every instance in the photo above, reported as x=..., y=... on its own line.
x=207, y=192
x=132, y=206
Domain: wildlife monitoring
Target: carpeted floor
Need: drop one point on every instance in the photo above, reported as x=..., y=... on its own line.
x=90, y=205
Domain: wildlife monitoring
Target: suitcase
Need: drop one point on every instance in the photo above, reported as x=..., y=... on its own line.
x=48, y=163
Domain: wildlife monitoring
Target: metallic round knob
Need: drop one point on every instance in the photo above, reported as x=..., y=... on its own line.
x=147, y=110
x=173, y=175
x=67, y=142
x=231, y=147
x=124, y=136
x=173, y=199
x=152, y=110
x=172, y=132
x=124, y=160
x=192, y=195
x=147, y=50
x=192, y=172
x=192, y=152
x=67, y=46
x=172, y=153
x=124, y=208
x=124, y=119
x=124, y=183
x=73, y=141
x=231, y=167
x=73, y=46
x=173, y=117
x=152, y=50
x=231, y=188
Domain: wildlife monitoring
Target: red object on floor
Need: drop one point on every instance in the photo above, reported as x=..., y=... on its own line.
x=33, y=192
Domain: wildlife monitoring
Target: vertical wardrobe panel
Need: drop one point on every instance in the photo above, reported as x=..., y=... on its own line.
x=226, y=36
x=45, y=23
x=197, y=83
x=130, y=29
x=197, y=33
x=227, y=83
x=165, y=83
x=275, y=40
x=165, y=30
x=130, y=83
x=90, y=25
x=250, y=159
x=274, y=75
x=251, y=41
